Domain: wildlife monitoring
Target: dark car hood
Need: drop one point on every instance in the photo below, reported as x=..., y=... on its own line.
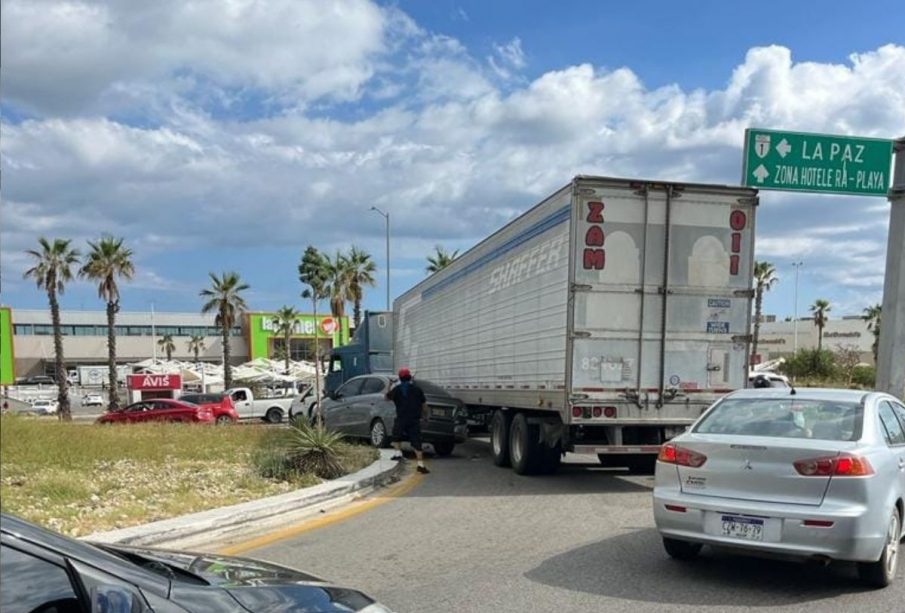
x=258, y=586
x=224, y=571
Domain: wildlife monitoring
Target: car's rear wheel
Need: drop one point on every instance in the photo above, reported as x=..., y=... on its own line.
x=274, y=415
x=882, y=572
x=681, y=550
x=499, y=437
x=379, y=436
x=444, y=448
x=224, y=420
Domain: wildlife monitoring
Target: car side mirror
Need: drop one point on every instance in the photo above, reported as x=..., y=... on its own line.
x=112, y=599
x=336, y=395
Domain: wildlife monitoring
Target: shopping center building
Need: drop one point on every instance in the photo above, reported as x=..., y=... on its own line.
x=778, y=338
x=26, y=338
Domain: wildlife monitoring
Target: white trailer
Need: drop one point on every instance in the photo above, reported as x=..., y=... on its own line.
x=602, y=321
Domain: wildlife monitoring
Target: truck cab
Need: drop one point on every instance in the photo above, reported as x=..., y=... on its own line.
x=370, y=351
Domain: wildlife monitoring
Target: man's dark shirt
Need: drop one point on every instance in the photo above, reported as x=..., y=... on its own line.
x=408, y=399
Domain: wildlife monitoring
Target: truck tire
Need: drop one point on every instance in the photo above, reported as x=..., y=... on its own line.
x=274, y=415
x=524, y=448
x=499, y=437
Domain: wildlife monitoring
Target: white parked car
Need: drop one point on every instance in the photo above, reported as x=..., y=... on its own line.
x=806, y=473
x=45, y=407
x=92, y=400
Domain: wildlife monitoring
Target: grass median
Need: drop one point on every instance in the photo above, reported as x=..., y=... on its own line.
x=81, y=479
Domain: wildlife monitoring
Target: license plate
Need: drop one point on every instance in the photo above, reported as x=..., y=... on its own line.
x=745, y=528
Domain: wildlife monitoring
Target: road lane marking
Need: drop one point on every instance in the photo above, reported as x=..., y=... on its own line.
x=331, y=517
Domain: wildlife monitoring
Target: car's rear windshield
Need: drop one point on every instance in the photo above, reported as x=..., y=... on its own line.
x=785, y=417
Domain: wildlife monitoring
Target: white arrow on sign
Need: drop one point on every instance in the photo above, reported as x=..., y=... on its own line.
x=783, y=148
x=760, y=173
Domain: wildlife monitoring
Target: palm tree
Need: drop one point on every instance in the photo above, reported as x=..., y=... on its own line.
x=225, y=300
x=764, y=279
x=440, y=260
x=339, y=284
x=284, y=324
x=872, y=317
x=820, y=308
x=168, y=345
x=196, y=345
x=107, y=260
x=314, y=271
x=52, y=269
x=361, y=273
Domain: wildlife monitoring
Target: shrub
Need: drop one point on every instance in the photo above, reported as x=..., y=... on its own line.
x=810, y=363
x=314, y=449
x=865, y=376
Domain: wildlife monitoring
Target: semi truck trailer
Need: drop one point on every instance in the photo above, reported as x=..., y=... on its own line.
x=603, y=321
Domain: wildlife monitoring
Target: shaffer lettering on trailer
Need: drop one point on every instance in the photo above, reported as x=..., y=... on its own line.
x=594, y=257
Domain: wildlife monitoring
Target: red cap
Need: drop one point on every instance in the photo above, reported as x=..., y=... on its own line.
x=404, y=373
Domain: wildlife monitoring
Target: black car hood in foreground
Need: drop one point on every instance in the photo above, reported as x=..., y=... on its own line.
x=258, y=586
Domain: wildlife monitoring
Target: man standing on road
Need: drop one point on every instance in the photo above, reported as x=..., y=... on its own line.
x=410, y=406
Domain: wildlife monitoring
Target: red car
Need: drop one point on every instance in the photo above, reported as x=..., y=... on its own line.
x=159, y=409
x=221, y=405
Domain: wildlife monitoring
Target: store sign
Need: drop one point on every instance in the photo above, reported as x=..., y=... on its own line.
x=151, y=382
x=329, y=325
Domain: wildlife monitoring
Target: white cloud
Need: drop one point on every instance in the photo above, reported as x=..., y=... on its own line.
x=66, y=56
x=430, y=133
x=507, y=59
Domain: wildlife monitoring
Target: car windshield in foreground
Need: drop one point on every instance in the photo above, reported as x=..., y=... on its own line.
x=785, y=417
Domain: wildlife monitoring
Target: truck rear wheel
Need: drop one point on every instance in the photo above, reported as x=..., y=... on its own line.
x=499, y=437
x=524, y=448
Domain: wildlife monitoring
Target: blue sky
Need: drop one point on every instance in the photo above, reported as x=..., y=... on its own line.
x=215, y=139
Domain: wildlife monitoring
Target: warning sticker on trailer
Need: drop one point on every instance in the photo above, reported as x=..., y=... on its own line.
x=717, y=327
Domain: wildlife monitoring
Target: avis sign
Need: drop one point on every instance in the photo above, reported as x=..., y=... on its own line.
x=154, y=382
x=803, y=162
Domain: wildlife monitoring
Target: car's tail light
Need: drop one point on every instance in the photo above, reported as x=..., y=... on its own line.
x=843, y=465
x=576, y=411
x=818, y=523
x=670, y=453
x=675, y=508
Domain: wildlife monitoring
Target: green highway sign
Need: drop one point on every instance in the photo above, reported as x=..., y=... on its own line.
x=802, y=162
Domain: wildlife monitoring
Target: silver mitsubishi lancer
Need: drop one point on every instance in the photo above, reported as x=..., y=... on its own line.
x=813, y=473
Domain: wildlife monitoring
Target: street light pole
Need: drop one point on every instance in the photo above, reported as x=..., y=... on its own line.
x=386, y=216
x=797, y=266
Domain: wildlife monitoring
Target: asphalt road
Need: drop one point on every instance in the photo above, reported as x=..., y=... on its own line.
x=474, y=537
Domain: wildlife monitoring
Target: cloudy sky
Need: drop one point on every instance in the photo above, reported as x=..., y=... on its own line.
x=229, y=134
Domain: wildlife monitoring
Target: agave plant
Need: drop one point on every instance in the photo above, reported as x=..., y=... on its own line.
x=314, y=449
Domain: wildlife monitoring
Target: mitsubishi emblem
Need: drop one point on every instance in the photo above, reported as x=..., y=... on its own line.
x=747, y=465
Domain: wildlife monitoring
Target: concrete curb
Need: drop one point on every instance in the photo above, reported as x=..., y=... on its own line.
x=249, y=518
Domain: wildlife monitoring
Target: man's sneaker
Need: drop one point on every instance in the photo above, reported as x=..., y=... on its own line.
x=423, y=470
x=398, y=457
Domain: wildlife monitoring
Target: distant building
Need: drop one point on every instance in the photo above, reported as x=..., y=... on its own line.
x=137, y=333
x=777, y=338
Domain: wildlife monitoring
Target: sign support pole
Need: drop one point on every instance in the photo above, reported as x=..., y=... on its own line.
x=891, y=359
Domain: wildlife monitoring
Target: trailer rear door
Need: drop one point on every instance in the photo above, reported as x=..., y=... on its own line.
x=682, y=331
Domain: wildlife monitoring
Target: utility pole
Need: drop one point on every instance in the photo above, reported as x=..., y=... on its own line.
x=386, y=216
x=797, y=266
x=891, y=358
